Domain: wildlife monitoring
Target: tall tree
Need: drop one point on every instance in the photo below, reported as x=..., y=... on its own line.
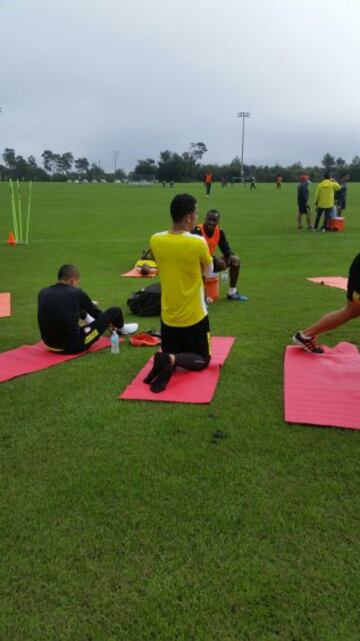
x=145, y=168
x=197, y=150
x=9, y=158
x=67, y=160
x=82, y=165
x=328, y=161
x=48, y=160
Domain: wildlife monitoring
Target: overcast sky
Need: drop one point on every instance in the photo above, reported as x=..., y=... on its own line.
x=141, y=76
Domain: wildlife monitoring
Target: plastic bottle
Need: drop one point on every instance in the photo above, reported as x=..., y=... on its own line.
x=115, y=345
x=224, y=276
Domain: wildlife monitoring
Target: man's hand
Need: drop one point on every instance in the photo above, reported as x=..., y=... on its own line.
x=234, y=261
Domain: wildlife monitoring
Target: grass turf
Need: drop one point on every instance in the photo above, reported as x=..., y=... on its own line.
x=126, y=521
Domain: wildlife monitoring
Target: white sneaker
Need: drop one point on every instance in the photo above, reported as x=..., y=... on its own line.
x=128, y=328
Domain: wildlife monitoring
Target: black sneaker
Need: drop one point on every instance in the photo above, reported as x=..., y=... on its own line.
x=161, y=359
x=239, y=297
x=307, y=343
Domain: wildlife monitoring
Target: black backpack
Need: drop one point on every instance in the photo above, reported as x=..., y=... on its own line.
x=146, y=302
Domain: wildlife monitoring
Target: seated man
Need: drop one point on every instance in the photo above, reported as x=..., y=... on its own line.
x=62, y=307
x=215, y=237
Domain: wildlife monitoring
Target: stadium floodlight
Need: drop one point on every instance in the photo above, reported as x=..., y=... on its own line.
x=243, y=115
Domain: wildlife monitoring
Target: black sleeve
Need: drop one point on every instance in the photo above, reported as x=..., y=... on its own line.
x=87, y=305
x=224, y=245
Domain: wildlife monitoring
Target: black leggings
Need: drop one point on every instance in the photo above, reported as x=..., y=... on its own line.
x=191, y=361
x=92, y=332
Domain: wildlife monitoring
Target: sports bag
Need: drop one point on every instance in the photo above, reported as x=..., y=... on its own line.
x=146, y=301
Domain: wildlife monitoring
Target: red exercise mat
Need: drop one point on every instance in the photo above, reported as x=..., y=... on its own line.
x=184, y=386
x=5, y=304
x=134, y=273
x=331, y=281
x=33, y=358
x=323, y=389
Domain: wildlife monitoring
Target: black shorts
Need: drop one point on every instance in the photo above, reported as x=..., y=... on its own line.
x=353, y=288
x=303, y=207
x=194, y=338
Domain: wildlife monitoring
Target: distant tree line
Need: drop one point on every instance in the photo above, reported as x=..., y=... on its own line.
x=170, y=167
x=56, y=167
x=187, y=167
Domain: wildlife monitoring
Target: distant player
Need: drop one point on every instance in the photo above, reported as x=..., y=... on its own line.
x=341, y=195
x=303, y=201
x=208, y=180
x=325, y=200
x=278, y=182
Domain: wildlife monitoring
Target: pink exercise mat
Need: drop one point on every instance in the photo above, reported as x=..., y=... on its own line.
x=323, y=389
x=5, y=304
x=331, y=281
x=33, y=358
x=184, y=386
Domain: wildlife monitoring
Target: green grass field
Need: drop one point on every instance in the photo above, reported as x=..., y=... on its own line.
x=125, y=521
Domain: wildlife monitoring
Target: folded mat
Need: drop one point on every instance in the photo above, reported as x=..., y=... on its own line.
x=323, y=389
x=134, y=273
x=331, y=281
x=33, y=358
x=184, y=386
x=5, y=304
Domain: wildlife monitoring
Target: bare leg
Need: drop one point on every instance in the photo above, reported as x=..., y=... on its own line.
x=333, y=319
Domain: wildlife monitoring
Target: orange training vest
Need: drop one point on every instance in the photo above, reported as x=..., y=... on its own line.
x=213, y=241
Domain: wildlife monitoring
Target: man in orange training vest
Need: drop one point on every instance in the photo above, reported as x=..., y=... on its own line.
x=208, y=179
x=215, y=237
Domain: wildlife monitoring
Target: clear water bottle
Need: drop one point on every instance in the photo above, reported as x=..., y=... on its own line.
x=224, y=276
x=114, y=340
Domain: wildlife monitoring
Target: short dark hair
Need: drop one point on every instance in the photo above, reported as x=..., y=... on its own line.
x=68, y=271
x=327, y=174
x=213, y=211
x=182, y=205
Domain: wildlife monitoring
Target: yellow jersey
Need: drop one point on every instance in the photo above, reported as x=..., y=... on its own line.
x=181, y=259
x=325, y=192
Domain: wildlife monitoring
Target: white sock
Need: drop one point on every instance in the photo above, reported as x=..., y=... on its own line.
x=232, y=291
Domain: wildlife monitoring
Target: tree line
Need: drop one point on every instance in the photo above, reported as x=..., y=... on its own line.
x=170, y=167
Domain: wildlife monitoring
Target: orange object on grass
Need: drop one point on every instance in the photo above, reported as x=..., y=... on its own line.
x=212, y=289
x=11, y=239
x=337, y=223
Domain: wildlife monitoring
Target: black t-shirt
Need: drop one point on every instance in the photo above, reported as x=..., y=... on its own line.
x=60, y=307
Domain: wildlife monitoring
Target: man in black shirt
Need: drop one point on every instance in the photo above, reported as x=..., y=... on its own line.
x=62, y=306
x=215, y=237
x=303, y=201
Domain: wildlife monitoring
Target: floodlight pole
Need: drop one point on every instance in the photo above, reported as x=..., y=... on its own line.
x=243, y=115
x=115, y=161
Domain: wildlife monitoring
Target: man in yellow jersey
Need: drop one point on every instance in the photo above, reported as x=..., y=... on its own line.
x=324, y=200
x=182, y=260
